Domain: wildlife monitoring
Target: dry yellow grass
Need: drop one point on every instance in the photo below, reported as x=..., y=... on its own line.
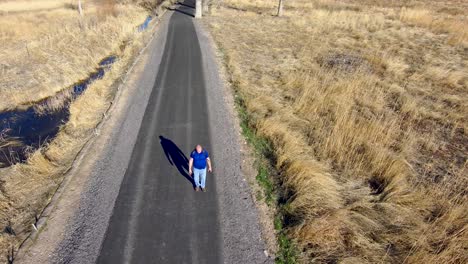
x=31, y=5
x=365, y=103
x=45, y=52
x=62, y=50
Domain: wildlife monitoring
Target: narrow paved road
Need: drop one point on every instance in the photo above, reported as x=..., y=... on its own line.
x=158, y=218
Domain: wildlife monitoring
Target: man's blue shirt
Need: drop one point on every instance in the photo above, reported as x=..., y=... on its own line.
x=199, y=159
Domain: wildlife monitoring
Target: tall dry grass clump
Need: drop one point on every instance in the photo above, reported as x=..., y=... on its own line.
x=365, y=105
x=107, y=8
x=455, y=27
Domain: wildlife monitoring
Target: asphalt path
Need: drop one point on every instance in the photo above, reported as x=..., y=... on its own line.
x=158, y=217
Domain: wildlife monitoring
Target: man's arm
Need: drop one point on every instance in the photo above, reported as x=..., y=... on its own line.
x=209, y=164
x=190, y=165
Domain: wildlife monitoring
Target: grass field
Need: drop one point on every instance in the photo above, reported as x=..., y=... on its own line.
x=47, y=47
x=25, y=6
x=365, y=104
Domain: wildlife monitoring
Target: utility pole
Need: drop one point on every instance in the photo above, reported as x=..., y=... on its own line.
x=198, y=9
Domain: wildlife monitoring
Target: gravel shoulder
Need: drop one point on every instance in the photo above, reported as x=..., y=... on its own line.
x=75, y=227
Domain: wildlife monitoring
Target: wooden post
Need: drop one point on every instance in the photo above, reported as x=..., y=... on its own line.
x=80, y=10
x=280, y=8
x=198, y=9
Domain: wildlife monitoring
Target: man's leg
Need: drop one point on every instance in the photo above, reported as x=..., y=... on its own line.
x=196, y=177
x=203, y=177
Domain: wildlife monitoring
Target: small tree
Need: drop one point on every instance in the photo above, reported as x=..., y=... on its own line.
x=280, y=8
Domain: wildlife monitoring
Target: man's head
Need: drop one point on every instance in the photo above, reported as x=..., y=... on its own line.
x=198, y=148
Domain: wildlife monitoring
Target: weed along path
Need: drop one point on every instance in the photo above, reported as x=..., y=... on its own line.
x=131, y=200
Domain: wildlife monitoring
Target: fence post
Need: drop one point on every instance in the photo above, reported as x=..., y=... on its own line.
x=280, y=8
x=80, y=10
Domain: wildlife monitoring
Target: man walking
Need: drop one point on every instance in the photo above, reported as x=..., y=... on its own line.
x=199, y=158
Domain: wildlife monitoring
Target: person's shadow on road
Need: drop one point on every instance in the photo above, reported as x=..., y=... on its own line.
x=176, y=157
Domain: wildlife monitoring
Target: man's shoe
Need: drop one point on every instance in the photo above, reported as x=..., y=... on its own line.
x=197, y=189
x=204, y=189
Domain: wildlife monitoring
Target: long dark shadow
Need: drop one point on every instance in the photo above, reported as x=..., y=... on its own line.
x=176, y=157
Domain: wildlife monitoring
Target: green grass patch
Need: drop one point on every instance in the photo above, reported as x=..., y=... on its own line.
x=264, y=155
x=287, y=252
x=262, y=150
x=263, y=179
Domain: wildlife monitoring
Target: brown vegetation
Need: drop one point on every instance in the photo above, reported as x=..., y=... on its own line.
x=365, y=103
x=43, y=53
